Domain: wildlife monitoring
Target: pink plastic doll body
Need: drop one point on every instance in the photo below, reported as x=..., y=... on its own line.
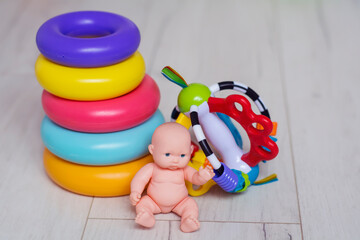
x=171, y=149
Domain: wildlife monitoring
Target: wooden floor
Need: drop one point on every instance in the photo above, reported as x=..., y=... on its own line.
x=302, y=56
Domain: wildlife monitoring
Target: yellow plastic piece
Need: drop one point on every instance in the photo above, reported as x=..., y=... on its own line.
x=99, y=181
x=90, y=84
x=247, y=182
x=184, y=120
x=265, y=180
x=197, y=161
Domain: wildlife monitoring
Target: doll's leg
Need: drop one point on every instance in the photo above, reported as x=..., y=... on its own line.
x=189, y=212
x=145, y=211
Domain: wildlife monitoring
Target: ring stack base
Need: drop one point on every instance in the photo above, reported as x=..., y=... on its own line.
x=95, y=181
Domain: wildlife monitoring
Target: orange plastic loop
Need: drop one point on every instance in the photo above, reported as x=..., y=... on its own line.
x=273, y=132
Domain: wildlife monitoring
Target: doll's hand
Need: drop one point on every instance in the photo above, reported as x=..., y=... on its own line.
x=206, y=173
x=134, y=198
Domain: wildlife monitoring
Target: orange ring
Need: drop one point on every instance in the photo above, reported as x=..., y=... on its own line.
x=97, y=181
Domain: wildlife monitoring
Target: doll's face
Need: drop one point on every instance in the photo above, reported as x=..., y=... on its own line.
x=171, y=146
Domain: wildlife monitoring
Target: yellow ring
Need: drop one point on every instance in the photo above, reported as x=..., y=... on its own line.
x=90, y=84
x=98, y=181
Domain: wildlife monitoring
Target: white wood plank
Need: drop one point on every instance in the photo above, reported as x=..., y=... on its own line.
x=282, y=231
x=120, y=208
x=124, y=229
x=321, y=58
x=235, y=231
x=32, y=206
x=9, y=11
x=207, y=42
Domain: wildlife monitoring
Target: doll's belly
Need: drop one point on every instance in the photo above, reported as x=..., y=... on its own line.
x=167, y=194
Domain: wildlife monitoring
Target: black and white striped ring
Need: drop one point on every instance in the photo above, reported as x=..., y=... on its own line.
x=175, y=113
x=244, y=89
x=199, y=133
x=237, y=87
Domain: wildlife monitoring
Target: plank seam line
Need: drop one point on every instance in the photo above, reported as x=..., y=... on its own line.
x=285, y=96
x=207, y=221
x=87, y=218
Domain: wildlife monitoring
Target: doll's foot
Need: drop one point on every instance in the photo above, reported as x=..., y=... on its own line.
x=190, y=224
x=145, y=218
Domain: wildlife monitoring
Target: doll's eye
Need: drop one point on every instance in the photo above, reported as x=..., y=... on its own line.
x=167, y=154
x=182, y=155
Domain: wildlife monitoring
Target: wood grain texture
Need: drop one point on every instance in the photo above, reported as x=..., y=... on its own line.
x=235, y=231
x=302, y=57
x=321, y=76
x=32, y=207
x=124, y=229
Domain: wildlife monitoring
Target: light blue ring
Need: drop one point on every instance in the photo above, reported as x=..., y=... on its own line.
x=100, y=148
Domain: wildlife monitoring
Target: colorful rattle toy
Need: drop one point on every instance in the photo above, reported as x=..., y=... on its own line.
x=198, y=101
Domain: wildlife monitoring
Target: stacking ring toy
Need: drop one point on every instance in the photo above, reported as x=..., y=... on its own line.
x=100, y=148
x=110, y=115
x=88, y=39
x=98, y=181
x=90, y=84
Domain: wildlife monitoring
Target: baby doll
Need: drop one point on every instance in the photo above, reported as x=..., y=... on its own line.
x=171, y=149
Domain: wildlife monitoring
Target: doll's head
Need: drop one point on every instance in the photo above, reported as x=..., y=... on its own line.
x=171, y=146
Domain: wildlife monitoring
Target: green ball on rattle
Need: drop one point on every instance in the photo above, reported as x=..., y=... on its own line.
x=194, y=94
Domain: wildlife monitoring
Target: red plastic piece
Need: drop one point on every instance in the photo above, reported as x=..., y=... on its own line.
x=103, y=116
x=248, y=119
x=196, y=148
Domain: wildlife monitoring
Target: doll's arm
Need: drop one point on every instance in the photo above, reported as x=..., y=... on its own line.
x=198, y=177
x=142, y=177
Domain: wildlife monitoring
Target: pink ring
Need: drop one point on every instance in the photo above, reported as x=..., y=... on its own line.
x=110, y=115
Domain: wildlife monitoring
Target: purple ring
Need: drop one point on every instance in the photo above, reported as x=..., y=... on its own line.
x=88, y=39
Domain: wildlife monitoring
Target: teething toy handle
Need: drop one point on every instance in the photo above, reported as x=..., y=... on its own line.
x=248, y=119
x=201, y=190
